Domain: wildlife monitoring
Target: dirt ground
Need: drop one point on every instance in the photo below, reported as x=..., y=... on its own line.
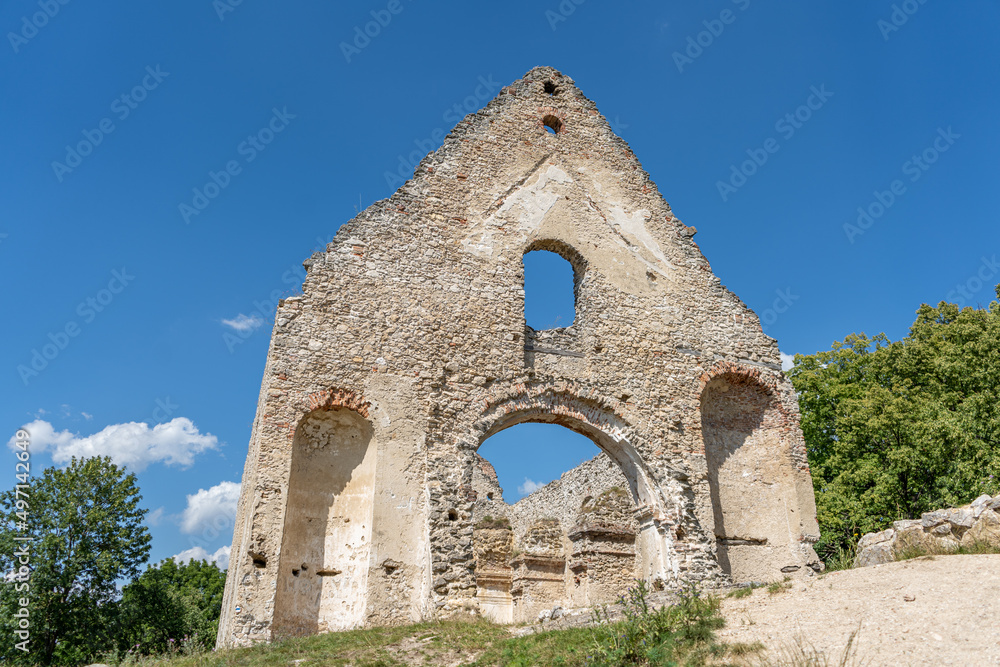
x=942, y=610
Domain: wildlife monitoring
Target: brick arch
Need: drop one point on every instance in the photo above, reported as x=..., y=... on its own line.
x=740, y=374
x=743, y=375
x=334, y=397
x=564, y=250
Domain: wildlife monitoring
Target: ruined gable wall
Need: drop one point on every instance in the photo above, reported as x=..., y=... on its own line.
x=416, y=310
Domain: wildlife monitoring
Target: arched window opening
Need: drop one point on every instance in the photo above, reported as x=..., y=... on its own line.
x=549, y=291
x=553, y=523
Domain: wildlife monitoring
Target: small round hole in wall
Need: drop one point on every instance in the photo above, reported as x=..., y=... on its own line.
x=549, y=88
x=552, y=124
x=452, y=515
x=489, y=496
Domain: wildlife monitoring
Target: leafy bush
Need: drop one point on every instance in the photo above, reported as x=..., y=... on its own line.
x=894, y=429
x=171, y=608
x=661, y=636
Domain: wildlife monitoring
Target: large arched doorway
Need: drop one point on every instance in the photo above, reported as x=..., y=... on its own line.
x=581, y=540
x=324, y=560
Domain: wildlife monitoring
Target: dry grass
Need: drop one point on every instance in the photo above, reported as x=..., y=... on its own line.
x=976, y=548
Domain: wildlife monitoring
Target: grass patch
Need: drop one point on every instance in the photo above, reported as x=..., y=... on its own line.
x=681, y=634
x=779, y=586
x=842, y=559
x=560, y=648
x=488, y=522
x=744, y=591
x=445, y=641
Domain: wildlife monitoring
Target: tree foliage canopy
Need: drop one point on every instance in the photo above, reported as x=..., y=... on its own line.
x=169, y=605
x=895, y=429
x=87, y=532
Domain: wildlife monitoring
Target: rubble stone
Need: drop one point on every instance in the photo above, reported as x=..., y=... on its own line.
x=408, y=348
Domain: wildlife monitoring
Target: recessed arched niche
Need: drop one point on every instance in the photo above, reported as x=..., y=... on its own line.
x=326, y=548
x=750, y=477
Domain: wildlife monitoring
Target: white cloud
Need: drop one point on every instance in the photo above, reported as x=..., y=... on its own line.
x=787, y=361
x=155, y=517
x=220, y=557
x=211, y=509
x=243, y=323
x=529, y=486
x=135, y=445
x=43, y=436
x=87, y=416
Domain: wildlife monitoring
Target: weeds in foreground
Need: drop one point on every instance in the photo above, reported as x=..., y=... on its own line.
x=842, y=559
x=684, y=631
x=680, y=634
x=779, y=586
x=744, y=591
x=804, y=654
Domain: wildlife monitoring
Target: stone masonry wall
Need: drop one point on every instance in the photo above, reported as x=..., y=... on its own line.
x=413, y=318
x=940, y=531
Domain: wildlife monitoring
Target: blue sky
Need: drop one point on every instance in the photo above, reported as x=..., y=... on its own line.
x=765, y=127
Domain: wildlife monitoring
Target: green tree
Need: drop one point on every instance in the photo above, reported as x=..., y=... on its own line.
x=171, y=604
x=87, y=532
x=895, y=429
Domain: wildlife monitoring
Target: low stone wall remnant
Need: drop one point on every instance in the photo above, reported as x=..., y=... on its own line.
x=943, y=530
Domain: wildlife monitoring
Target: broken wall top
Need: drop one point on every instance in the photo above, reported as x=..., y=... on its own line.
x=502, y=185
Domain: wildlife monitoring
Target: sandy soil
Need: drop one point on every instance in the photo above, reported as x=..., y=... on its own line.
x=942, y=610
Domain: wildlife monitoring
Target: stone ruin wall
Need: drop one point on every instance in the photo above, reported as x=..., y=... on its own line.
x=572, y=543
x=939, y=532
x=411, y=327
